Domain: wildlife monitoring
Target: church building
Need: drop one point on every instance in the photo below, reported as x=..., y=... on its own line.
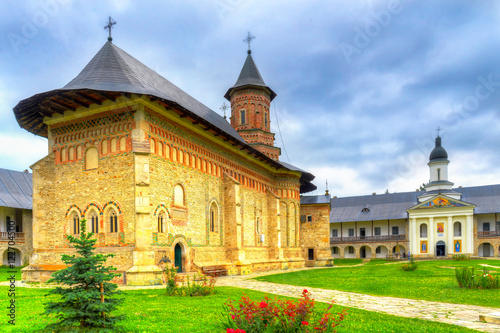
x=440, y=221
x=160, y=176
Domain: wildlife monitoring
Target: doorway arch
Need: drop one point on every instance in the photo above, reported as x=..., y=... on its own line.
x=440, y=249
x=178, y=254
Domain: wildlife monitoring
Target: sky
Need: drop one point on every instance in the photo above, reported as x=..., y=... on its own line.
x=362, y=86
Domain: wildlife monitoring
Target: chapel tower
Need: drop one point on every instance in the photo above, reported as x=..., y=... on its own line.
x=250, y=101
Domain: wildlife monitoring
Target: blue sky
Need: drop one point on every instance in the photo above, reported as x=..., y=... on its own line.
x=362, y=85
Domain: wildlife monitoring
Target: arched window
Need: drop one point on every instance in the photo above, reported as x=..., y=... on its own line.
x=71, y=153
x=79, y=152
x=160, y=148
x=113, y=145
x=94, y=222
x=242, y=117
x=91, y=158
x=423, y=230
x=161, y=222
x=265, y=119
x=439, y=174
x=75, y=223
x=178, y=195
x=63, y=155
x=123, y=144
x=457, y=228
x=113, y=220
x=152, y=144
x=214, y=217
x=104, y=147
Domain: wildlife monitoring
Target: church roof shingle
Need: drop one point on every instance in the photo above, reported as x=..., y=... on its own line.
x=16, y=189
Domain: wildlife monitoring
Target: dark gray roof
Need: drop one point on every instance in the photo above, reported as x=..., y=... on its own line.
x=305, y=179
x=394, y=205
x=16, y=189
x=249, y=76
x=113, y=69
x=438, y=153
x=314, y=199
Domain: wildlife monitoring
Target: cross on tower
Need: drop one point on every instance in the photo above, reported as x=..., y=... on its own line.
x=248, y=40
x=109, y=26
x=438, y=130
x=223, y=108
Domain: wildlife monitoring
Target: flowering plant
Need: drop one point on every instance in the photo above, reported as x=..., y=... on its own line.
x=273, y=315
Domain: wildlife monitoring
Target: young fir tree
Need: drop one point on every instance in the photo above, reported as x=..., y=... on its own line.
x=82, y=304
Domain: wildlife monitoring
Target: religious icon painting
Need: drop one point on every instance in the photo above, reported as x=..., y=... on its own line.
x=440, y=227
x=458, y=246
x=423, y=246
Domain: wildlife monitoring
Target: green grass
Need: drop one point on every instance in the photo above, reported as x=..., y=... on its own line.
x=150, y=310
x=346, y=262
x=431, y=281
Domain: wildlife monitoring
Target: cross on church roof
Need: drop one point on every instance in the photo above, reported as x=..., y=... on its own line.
x=223, y=108
x=248, y=40
x=109, y=26
x=438, y=130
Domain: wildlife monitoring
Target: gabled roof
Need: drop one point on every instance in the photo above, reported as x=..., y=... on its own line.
x=249, y=76
x=16, y=189
x=394, y=205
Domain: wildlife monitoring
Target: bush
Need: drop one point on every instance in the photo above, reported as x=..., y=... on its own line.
x=199, y=285
x=461, y=257
x=278, y=316
x=467, y=279
x=411, y=266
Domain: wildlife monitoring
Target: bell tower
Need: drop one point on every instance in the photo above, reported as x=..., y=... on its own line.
x=250, y=101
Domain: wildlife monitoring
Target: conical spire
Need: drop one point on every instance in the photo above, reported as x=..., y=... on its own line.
x=249, y=76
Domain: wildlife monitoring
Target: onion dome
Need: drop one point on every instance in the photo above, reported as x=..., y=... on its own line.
x=438, y=153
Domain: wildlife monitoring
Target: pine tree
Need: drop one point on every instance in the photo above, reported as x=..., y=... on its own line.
x=82, y=304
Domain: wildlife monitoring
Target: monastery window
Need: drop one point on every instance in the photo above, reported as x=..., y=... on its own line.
x=79, y=152
x=309, y=218
x=214, y=217
x=365, y=210
x=113, y=145
x=395, y=230
x=439, y=174
x=193, y=161
x=161, y=221
x=486, y=226
x=378, y=231
x=178, y=195
x=378, y=250
x=198, y=163
x=75, y=223
x=104, y=147
x=123, y=144
x=335, y=250
x=181, y=157
x=152, y=144
x=167, y=151
x=423, y=230
x=334, y=233
x=94, y=222
x=457, y=228
x=174, y=154
x=204, y=166
x=188, y=158
x=71, y=154
x=91, y=158
x=350, y=250
x=242, y=117
x=351, y=232
x=113, y=220
x=63, y=155
x=265, y=119
x=160, y=148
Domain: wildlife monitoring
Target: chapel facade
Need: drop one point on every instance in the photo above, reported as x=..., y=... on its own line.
x=159, y=176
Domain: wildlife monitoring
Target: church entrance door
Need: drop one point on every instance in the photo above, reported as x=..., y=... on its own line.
x=440, y=249
x=178, y=258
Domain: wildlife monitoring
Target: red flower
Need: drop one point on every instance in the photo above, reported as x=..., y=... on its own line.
x=262, y=305
x=230, y=330
x=233, y=316
x=305, y=323
x=304, y=291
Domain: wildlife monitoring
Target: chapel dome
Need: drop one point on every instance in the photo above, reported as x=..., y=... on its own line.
x=438, y=152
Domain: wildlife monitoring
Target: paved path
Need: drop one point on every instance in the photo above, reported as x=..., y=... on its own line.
x=456, y=314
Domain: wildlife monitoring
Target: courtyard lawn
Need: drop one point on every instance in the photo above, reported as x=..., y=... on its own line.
x=433, y=281
x=150, y=310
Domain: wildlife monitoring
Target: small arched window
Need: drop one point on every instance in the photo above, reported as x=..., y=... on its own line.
x=365, y=210
x=91, y=158
x=113, y=145
x=457, y=229
x=104, y=147
x=63, y=155
x=160, y=148
x=423, y=230
x=113, y=220
x=214, y=217
x=242, y=117
x=94, y=222
x=79, y=152
x=75, y=223
x=178, y=195
x=152, y=144
x=71, y=154
x=123, y=144
x=161, y=222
